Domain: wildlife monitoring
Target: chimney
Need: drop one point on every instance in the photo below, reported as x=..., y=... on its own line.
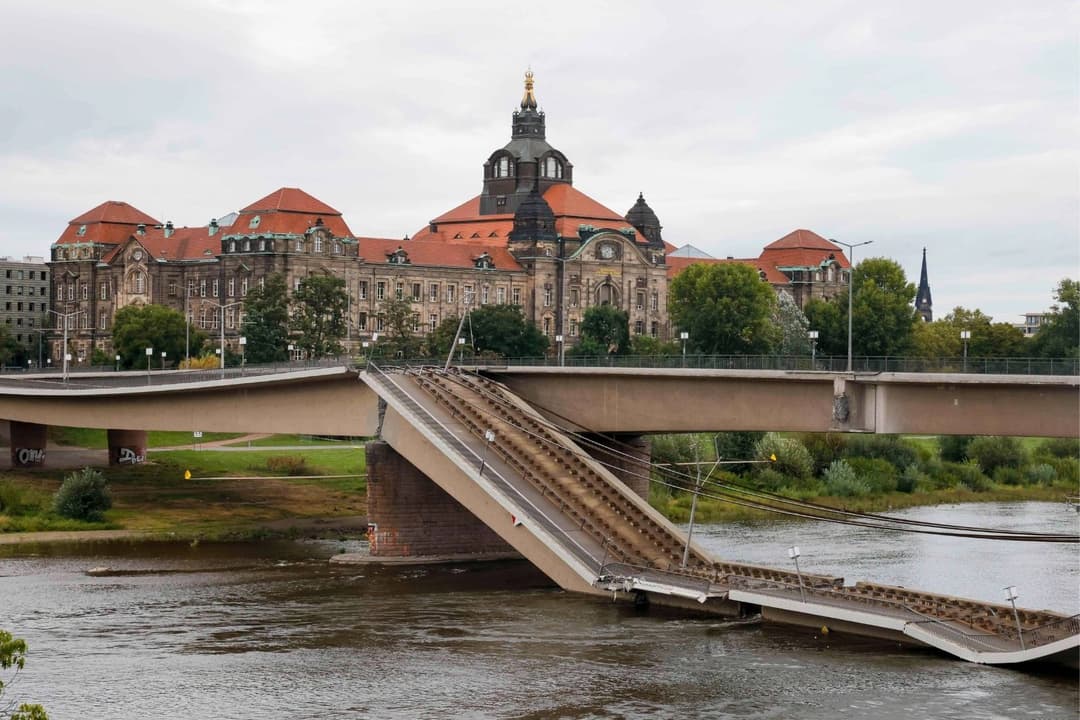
x=140, y=229
x=433, y=227
x=213, y=227
x=168, y=228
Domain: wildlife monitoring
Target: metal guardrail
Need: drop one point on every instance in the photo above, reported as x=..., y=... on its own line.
x=86, y=378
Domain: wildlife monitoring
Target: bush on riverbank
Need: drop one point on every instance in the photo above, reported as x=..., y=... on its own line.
x=83, y=496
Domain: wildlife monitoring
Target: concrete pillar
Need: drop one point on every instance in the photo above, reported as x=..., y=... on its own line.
x=127, y=447
x=28, y=441
x=628, y=458
x=410, y=516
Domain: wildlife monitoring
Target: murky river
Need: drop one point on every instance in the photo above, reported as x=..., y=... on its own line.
x=272, y=630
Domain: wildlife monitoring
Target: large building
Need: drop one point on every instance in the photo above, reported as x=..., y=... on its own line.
x=530, y=238
x=25, y=311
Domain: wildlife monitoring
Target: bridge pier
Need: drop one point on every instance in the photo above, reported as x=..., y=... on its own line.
x=127, y=447
x=410, y=516
x=28, y=441
x=626, y=456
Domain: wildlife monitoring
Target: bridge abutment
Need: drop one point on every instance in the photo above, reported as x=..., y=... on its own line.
x=626, y=456
x=410, y=516
x=127, y=447
x=28, y=441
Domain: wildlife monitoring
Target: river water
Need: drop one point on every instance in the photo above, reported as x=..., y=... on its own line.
x=272, y=630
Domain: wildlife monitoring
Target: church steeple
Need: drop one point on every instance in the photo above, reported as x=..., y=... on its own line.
x=923, y=303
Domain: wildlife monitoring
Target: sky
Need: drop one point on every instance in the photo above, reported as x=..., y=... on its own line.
x=946, y=125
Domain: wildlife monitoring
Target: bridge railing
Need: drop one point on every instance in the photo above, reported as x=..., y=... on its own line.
x=790, y=363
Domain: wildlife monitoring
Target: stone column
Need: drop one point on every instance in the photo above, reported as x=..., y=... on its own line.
x=410, y=516
x=627, y=458
x=28, y=441
x=127, y=447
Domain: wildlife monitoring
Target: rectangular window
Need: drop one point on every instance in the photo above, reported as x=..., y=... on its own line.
x=172, y=289
x=85, y=291
x=361, y=321
x=318, y=243
x=416, y=322
x=639, y=327
x=655, y=301
x=232, y=287
x=362, y=290
x=573, y=297
x=214, y=288
x=229, y=318
x=416, y=292
x=380, y=290
x=296, y=284
x=101, y=320
x=450, y=293
x=433, y=320
x=399, y=291
x=547, y=297
x=299, y=244
x=485, y=293
x=547, y=326
x=467, y=294
x=379, y=323
x=654, y=330
x=31, y=309
x=573, y=328
x=516, y=294
x=202, y=288
x=433, y=293
x=71, y=291
x=202, y=318
x=500, y=295
x=243, y=287
x=190, y=288
x=640, y=302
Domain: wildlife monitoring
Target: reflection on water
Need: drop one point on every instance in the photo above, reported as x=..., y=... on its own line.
x=272, y=630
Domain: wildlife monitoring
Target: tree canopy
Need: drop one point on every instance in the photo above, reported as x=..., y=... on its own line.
x=941, y=338
x=1059, y=335
x=267, y=321
x=137, y=327
x=725, y=308
x=319, y=307
x=605, y=330
x=503, y=329
x=792, y=326
x=398, y=339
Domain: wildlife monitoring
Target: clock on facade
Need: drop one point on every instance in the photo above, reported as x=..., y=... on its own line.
x=137, y=255
x=607, y=251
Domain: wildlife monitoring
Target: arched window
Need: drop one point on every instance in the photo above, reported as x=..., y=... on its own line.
x=247, y=246
x=138, y=283
x=503, y=168
x=262, y=245
x=232, y=246
x=318, y=243
x=336, y=248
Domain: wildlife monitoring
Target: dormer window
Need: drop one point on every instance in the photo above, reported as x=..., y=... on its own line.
x=254, y=222
x=318, y=243
x=81, y=231
x=503, y=167
x=484, y=262
x=398, y=257
x=247, y=246
x=551, y=168
x=336, y=248
x=299, y=244
x=232, y=246
x=262, y=245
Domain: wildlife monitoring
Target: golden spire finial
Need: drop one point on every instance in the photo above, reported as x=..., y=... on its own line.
x=528, y=102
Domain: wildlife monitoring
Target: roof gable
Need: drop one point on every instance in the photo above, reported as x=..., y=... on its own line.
x=115, y=211
x=803, y=239
x=290, y=200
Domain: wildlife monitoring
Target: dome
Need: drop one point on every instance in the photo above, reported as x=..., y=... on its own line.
x=642, y=217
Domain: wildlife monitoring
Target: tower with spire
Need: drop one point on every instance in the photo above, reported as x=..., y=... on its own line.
x=923, y=303
x=525, y=163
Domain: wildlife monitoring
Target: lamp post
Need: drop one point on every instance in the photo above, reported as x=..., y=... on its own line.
x=559, y=346
x=291, y=347
x=697, y=489
x=243, y=354
x=793, y=553
x=1011, y=594
x=461, y=350
x=66, y=317
x=149, y=355
x=163, y=354
x=684, y=336
x=850, y=283
x=489, y=437
x=965, y=335
x=222, y=307
x=813, y=335
x=118, y=363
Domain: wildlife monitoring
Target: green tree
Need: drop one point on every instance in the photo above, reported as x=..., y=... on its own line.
x=725, y=307
x=605, y=330
x=941, y=338
x=267, y=321
x=503, y=329
x=650, y=346
x=440, y=339
x=137, y=327
x=319, y=307
x=13, y=657
x=399, y=339
x=883, y=315
x=1059, y=335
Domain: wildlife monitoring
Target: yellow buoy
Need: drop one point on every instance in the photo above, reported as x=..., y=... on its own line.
x=187, y=474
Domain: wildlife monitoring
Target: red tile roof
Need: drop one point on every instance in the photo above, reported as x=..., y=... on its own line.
x=438, y=253
x=290, y=200
x=105, y=233
x=676, y=265
x=802, y=248
x=114, y=211
x=286, y=223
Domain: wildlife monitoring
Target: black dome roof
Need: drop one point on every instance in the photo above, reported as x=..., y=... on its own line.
x=642, y=217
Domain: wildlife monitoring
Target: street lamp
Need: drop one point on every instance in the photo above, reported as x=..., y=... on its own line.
x=243, y=353
x=461, y=350
x=850, y=282
x=149, y=354
x=559, y=343
x=118, y=363
x=66, y=317
x=697, y=489
x=489, y=436
x=813, y=335
x=684, y=336
x=1011, y=595
x=291, y=347
x=223, y=307
x=965, y=335
x=793, y=553
x=163, y=353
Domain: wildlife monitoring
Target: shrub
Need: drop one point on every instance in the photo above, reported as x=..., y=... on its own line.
x=1060, y=447
x=971, y=476
x=954, y=447
x=84, y=495
x=911, y=478
x=12, y=499
x=770, y=479
x=841, y=480
x=737, y=446
x=992, y=452
x=1010, y=476
x=884, y=447
x=1067, y=469
x=1043, y=474
x=288, y=464
x=879, y=475
x=824, y=448
x=792, y=457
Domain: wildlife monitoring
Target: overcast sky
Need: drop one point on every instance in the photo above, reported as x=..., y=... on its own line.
x=949, y=125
